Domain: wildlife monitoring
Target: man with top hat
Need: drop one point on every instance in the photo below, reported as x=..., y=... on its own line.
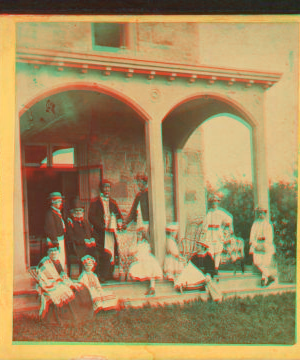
x=139, y=212
x=55, y=226
x=80, y=240
x=213, y=228
x=106, y=218
x=261, y=245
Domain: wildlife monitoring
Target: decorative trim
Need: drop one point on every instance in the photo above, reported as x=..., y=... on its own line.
x=108, y=64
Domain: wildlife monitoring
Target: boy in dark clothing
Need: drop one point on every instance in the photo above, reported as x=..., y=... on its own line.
x=80, y=241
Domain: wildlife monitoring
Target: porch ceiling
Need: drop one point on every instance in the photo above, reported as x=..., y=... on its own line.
x=73, y=116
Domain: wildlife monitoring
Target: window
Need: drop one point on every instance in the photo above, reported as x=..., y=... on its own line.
x=35, y=155
x=58, y=156
x=63, y=156
x=108, y=36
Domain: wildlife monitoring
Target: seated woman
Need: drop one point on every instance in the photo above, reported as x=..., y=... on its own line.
x=80, y=240
x=198, y=273
x=102, y=299
x=233, y=249
x=62, y=300
x=172, y=264
x=145, y=267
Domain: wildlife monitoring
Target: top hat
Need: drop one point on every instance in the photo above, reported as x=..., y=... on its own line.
x=77, y=204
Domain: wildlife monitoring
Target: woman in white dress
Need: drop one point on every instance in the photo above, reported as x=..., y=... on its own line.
x=199, y=272
x=145, y=267
x=102, y=299
x=172, y=264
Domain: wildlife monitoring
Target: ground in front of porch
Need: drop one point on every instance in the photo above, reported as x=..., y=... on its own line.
x=259, y=320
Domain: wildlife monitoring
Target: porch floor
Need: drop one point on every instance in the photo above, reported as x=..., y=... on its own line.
x=132, y=294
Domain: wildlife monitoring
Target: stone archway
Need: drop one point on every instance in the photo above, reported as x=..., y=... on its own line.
x=67, y=121
x=182, y=120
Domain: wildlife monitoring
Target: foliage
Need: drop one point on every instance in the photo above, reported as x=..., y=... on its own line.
x=238, y=199
x=283, y=198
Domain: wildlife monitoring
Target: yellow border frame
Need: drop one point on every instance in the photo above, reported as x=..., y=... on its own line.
x=7, y=124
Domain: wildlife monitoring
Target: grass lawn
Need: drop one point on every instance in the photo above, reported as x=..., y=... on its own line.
x=261, y=320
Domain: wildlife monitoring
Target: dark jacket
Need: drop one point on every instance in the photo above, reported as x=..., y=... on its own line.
x=53, y=226
x=205, y=263
x=142, y=198
x=77, y=231
x=96, y=218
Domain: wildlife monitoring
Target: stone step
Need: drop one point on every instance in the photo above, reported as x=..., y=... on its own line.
x=132, y=294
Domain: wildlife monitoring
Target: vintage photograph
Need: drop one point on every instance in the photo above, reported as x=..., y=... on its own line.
x=155, y=181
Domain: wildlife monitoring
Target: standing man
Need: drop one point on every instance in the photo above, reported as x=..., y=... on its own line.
x=106, y=218
x=213, y=229
x=139, y=212
x=55, y=227
x=261, y=245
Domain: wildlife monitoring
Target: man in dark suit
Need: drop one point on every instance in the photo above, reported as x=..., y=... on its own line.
x=55, y=227
x=106, y=218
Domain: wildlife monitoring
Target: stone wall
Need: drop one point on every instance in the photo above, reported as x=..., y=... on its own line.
x=170, y=42
x=193, y=175
x=120, y=163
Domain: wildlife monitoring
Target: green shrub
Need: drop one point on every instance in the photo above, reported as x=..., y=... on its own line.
x=239, y=201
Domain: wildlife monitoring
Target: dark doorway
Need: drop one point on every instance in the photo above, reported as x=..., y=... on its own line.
x=40, y=183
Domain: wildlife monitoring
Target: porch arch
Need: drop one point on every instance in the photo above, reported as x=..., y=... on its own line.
x=189, y=113
x=141, y=115
x=199, y=107
x=96, y=87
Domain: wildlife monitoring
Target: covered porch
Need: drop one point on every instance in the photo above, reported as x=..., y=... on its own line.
x=121, y=119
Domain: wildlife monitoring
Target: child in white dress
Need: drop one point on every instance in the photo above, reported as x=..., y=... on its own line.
x=145, y=267
x=102, y=299
x=172, y=265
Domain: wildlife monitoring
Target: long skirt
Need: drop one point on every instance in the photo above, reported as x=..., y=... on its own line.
x=191, y=278
x=76, y=311
x=145, y=268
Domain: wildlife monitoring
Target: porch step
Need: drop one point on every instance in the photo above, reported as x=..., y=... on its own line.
x=132, y=294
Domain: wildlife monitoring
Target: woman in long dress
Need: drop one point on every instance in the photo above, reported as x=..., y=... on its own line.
x=172, y=264
x=102, y=299
x=146, y=266
x=199, y=272
x=63, y=301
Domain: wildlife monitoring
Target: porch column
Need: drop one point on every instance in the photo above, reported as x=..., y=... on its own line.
x=21, y=278
x=259, y=171
x=179, y=191
x=155, y=166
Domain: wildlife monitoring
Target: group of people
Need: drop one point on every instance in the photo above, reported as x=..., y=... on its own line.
x=94, y=243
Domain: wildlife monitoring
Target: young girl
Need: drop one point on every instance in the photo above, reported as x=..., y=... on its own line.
x=102, y=299
x=172, y=265
x=146, y=267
